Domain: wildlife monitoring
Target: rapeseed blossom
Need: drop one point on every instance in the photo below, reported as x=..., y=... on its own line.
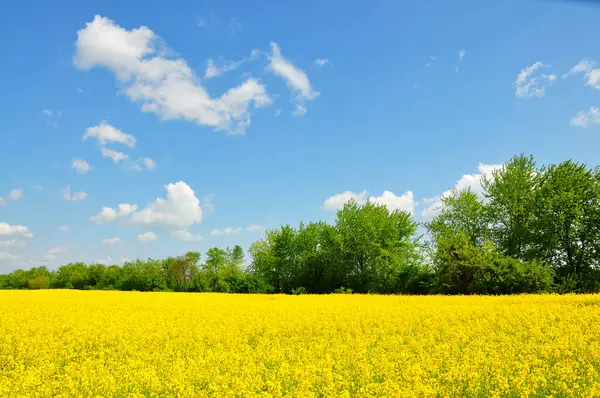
x=96, y=344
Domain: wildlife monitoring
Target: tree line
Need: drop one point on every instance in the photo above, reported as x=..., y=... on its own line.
x=534, y=229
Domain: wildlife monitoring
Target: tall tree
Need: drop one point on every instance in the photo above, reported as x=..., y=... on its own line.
x=567, y=216
x=511, y=195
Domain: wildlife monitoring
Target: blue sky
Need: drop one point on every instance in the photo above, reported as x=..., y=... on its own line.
x=242, y=117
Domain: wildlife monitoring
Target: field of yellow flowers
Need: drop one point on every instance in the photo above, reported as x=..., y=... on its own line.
x=84, y=343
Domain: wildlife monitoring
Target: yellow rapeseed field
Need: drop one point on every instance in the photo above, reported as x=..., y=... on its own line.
x=128, y=344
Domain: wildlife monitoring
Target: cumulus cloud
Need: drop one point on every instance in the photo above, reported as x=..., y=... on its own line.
x=461, y=54
x=147, y=237
x=18, y=231
x=295, y=78
x=585, y=119
x=80, y=166
x=116, y=156
x=226, y=231
x=63, y=228
x=75, y=196
x=107, y=214
x=3, y=202
x=111, y=241
x=106, y=134
x=179, y=210
x=338, y=201
x=185, y=236
x=166, y=87
x=404, y=202
x=590, y=72
x=530, y=83
x=15, y=194
x=472, y=181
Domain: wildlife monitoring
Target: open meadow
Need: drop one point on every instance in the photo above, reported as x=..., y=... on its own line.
x=95, y=343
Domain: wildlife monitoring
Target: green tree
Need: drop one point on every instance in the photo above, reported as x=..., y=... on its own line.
x=511, y=193
x=375, y=244
x=567, y=226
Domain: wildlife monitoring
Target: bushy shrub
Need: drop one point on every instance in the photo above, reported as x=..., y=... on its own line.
x=342, y=290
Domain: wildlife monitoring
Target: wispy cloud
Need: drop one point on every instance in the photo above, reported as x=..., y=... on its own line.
x=322, y=61
x=527, y=85
x=587, y=118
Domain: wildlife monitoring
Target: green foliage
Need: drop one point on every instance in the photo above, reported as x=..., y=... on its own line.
x=342, y=290
x=39, y=282
x=533, y=230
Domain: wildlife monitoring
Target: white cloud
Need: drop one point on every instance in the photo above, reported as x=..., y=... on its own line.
x=63, y=228
x=13, y=243
x=472, y=181
x=149, y=163
x=111, y=241
x=295, y=77
x=338, y=201
x=404, y=202
x=255, y=228
x=166, y=87
x=56, y=250
x=144, y=164
x=186, y=236
x=7, y=256
x=109, y=215
x=299, y=110
x=116, y=156
x=214, y=70
x=180, y=209
x=528, y=86
x=80, y=166
x=15, y=194
x=47, y=112
x=7, y=230
x=37, y=187
x=461, y=54
x=68, y=195
x=105, y=133
x=585, y=119
x=591, y=73
x=3, y=202
x=322, y=61
x=226, y=231
x=147, y=237
x=49, y=256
